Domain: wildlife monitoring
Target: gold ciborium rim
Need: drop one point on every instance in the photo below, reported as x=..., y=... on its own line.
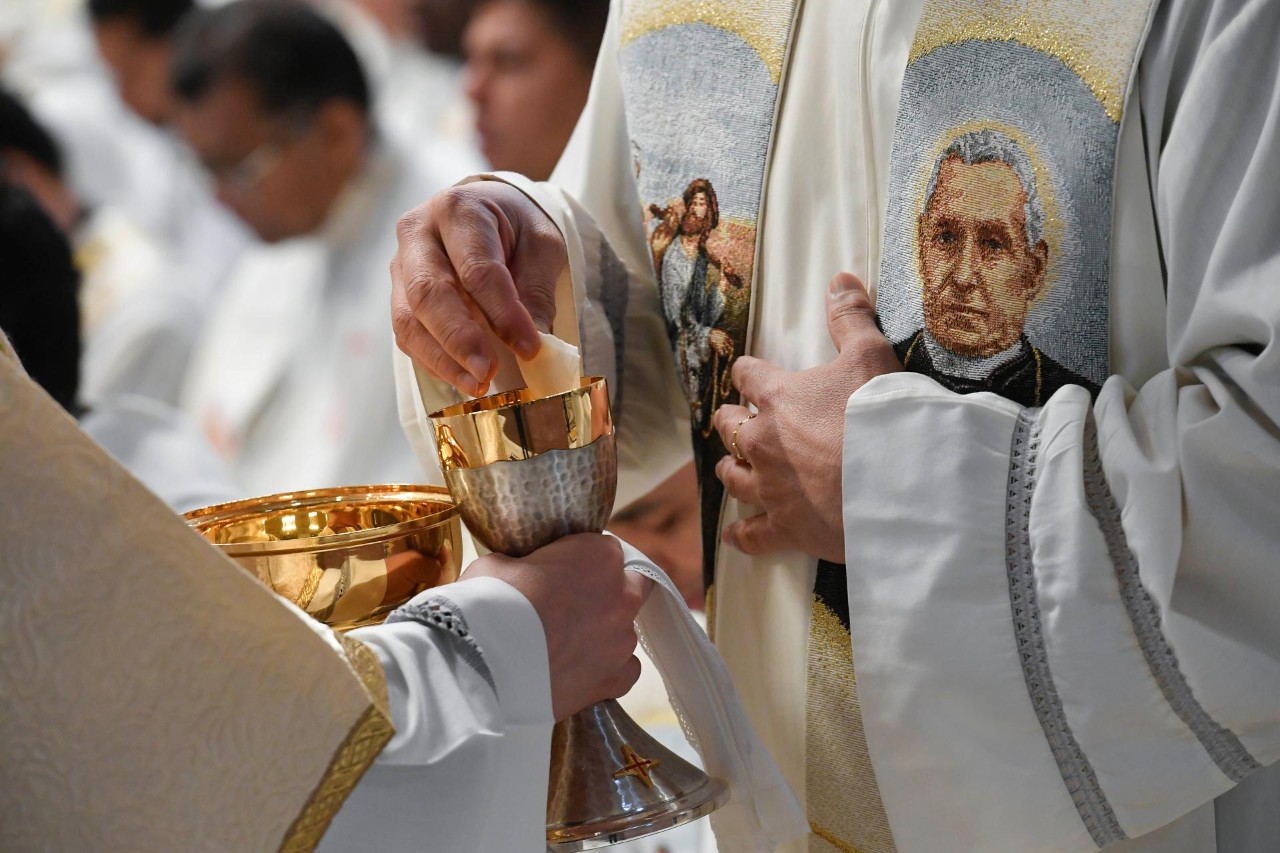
x=200, y=519
x=515, y=425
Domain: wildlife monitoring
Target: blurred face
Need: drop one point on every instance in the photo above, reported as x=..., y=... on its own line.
x=527, y=84
x=980, y=276
x=280, y=176
x=139, y=65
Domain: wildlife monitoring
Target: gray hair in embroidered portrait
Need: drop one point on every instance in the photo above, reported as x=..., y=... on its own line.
x=1042, y=149
x=992, y=146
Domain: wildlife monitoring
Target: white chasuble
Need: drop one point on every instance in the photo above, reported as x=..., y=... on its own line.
x=154, y=696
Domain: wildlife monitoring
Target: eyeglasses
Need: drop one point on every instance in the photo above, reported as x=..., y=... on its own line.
x=253, y=168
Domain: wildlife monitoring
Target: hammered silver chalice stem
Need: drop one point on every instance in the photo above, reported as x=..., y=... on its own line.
x=525, y=471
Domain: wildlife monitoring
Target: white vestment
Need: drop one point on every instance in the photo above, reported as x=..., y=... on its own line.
x=291, y=381
x=162, y=448
x=1165, y=487
x=416, y=95
x=139, y=314
x=115, y=159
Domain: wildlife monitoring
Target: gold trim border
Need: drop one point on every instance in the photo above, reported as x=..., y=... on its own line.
x=834, y=840
x=752, y=21
x=1099, y=40
x=362, y=745
x=364, y=662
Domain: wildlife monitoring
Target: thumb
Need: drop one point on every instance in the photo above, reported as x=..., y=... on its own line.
x=849, y=310
x=638, y=588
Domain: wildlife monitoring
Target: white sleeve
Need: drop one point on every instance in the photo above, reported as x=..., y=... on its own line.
x=1064, y=619
x=470, y=697
x=143, y=347
x=593, y=200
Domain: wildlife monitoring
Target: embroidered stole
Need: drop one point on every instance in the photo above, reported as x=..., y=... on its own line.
x=701, y=83
x=995, y=266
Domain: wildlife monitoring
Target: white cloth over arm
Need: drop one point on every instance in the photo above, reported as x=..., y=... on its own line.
x=1064, y=620
x=762, y=812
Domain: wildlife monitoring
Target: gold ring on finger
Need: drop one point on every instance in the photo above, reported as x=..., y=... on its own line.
x=733, y=439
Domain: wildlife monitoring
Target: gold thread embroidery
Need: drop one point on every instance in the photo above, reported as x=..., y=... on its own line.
x=1097, y=42
x=833, y=840
x=841, y=790
x=359, y=749
x=368, y=669
x=709, y=608
x=906, y=361
x=756, y=22
x=362, y=745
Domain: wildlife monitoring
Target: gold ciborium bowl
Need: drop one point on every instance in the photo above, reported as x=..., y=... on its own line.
x=347, y=556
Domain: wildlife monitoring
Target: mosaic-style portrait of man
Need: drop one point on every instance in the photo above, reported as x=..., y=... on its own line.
x=983, y=262
x=695, y=286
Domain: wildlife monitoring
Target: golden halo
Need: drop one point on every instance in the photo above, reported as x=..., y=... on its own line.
x=1097, y=39
x=763, y=25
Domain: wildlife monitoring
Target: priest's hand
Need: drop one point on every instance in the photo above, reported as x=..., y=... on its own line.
x=587, y=603
x=473, y=256
x=786, y=458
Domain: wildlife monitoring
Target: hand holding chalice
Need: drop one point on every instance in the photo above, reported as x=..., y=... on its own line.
x=526, y=470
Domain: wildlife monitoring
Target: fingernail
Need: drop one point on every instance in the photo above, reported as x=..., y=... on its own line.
x=843, y=283
x=527, y=348
x=478, y=366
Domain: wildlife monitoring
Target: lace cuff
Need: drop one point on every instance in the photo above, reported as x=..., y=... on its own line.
x=437, y=611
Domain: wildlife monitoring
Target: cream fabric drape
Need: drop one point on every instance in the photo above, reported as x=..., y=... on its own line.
x=153, y=696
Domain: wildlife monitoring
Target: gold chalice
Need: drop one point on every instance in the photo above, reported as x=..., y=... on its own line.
x=525, y=471
x=347, y=556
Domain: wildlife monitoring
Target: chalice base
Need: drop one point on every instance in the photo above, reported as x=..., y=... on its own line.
x=611, y=781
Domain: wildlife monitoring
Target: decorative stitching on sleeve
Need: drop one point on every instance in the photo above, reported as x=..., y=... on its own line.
x=1077, y=773
x=439, y=612
x=1223, y=746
